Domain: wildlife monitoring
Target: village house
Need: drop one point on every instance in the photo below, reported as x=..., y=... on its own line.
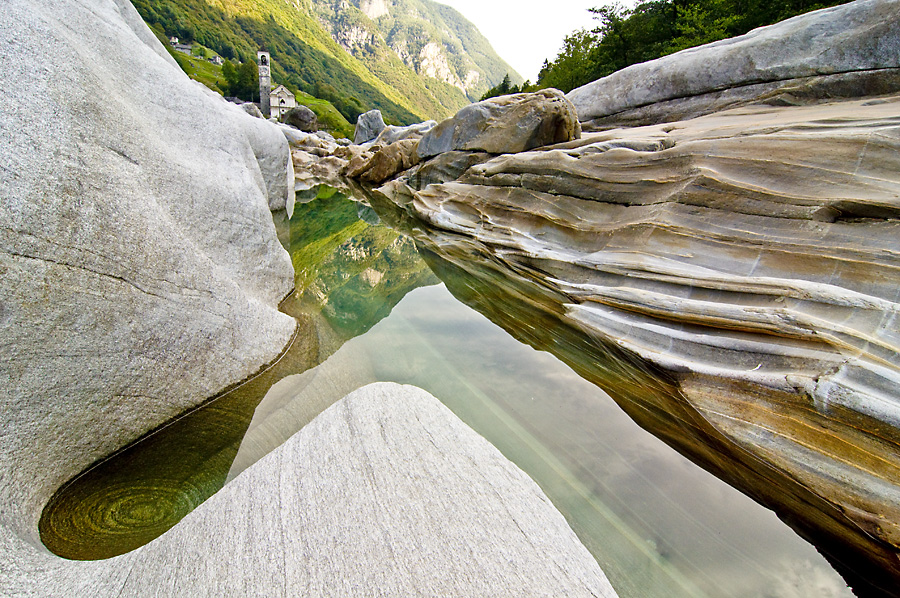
x=179, y=47
x=281, y=100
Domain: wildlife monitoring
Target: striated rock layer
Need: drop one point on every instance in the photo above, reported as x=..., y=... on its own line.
x=386, y=493
x=733, y=281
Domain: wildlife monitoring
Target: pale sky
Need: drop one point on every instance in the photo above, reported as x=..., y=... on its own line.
x=525, y=32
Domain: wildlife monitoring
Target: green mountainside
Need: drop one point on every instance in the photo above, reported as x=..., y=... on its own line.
x=309, y=42
x=432, y=39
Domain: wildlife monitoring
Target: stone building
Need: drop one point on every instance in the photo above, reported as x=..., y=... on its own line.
x=281, y=100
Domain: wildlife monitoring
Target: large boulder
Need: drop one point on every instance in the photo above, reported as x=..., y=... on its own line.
x=851, y=50
x=506, y=124
x=141, y=267
x=368, y=126
x=439, y=511
x=302, y=118
x=252, y=109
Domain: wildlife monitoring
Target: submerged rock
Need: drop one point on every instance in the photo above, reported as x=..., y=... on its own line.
x=852, y=50
x=141, y=267
x=507, y=124
x=439, y=511
x=731, y=280
x=368, y=126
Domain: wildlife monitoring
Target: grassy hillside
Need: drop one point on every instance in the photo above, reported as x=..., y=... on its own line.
x=200, y=69
x=329, y=118
x=304, y=56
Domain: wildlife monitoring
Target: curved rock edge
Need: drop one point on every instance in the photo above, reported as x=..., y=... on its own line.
x=385, y=492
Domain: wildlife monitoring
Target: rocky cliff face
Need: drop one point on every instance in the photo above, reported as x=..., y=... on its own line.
x=730, y=279
x=433, y=40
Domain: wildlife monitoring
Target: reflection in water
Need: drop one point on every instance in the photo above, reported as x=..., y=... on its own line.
x=658, y=525
x=350, y=273
x=349, y=268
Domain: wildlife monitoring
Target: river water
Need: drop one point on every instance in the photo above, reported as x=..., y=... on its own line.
x=371, y=310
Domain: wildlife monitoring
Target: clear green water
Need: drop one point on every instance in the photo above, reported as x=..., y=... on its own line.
x=371, y=311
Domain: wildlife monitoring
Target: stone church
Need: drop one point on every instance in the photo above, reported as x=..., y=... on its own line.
x=281, y=100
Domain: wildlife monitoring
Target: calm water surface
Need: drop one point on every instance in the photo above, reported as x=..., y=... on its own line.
x=370, y=310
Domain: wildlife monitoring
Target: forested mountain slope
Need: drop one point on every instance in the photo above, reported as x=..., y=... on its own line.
x=432, y=39
x=307, y=57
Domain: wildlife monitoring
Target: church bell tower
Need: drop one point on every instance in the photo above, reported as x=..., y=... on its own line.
x=265, y=82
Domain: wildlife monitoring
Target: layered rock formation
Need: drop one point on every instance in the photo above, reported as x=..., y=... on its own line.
x=386, y=493
x=507, y=124
x=140, y=263
x=731, y=280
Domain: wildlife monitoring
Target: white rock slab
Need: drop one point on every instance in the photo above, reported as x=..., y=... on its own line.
x=141, y=270
x=386, y=493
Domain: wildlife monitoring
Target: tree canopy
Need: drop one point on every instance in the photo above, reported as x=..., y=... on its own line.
x=242, y=81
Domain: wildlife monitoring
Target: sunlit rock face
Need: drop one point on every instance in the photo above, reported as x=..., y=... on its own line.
x=505, y=124
x=845, y=51
x=731, y=280
x=141, y=269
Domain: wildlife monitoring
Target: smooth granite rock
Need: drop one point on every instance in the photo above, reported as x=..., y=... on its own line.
x=141, y=269
x=392, y=134
x=386, y=493
x=302, y=118
x=368, y=126
x=852, y=50
x=733, y=281
x=505, y=124
x=252, y=109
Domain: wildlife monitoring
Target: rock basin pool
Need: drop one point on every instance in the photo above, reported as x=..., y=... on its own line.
x=371, y=310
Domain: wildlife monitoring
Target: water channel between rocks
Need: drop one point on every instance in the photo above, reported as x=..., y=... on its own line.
x=371, y=310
